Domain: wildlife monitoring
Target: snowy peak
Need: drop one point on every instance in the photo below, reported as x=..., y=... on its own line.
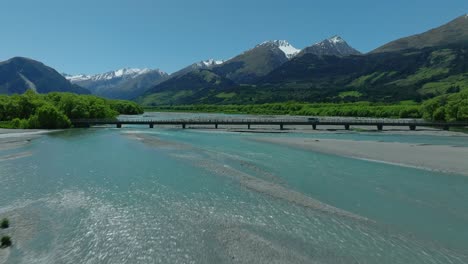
x=289, y=50
x=336, y=39
x=209, y=63
x=333, y=41
x=201, y=65
x=334, y=46
x=124, y=73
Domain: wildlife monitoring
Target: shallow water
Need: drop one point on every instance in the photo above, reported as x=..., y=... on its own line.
x=138, y=195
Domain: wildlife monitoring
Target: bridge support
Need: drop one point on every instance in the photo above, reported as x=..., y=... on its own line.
x=446, y=128
x=346, y=126
x=183, y=126
x=412, y=127
x=248, y=126
x=380, y=127
x=216, y=126
x=118, y=125
x=314, y=127
x=151, y=125
x=281, y=126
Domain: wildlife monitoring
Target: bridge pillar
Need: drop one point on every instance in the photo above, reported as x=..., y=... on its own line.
x=183, y=126
x=446, y=128
x=412, y=127
x=151, y=125
x=119, y=125
x=346, y=126
x=380, y=127
x=216, y=126
x=248, y=126
x=281, y=126
x=314, y=127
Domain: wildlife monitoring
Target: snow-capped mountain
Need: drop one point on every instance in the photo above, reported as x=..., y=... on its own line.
x=125, y=73
x=125, y=83
x=289, y=50
x=209, y=63
x=334, y=46
x=201, y=65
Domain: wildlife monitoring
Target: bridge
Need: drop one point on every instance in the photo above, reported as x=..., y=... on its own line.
x=281, y=123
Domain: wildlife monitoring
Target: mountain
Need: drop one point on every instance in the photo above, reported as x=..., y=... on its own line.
x=414, y=74
x=124, y=83
x=20, y=74
x=334, y=46
x=206, y=77
x=206, y=64
x=415, y=68
x=453, y=32
x=190, y=87
x=256, y=62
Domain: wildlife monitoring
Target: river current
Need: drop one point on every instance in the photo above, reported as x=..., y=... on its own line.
x=140, y=195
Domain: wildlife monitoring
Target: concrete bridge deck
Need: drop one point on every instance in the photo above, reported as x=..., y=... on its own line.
x=346, y=123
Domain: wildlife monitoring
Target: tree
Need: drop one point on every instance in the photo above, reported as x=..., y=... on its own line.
x=48, y=116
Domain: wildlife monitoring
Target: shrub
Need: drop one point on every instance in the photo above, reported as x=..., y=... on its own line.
x=5, y=242
x=4, y=223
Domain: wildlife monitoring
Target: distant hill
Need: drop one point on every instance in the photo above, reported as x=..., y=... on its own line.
x=124, y=83
x=456, y=31
x=20, y=74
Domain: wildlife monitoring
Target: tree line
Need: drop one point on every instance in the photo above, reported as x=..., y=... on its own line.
x=448, y=107
x=451, y=107
x=55, y=110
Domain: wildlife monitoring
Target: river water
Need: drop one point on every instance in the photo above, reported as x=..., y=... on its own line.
x=139, y=195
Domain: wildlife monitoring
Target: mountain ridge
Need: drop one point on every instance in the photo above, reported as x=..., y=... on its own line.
x=125, y=83
x=455, y=31
x=19, y=74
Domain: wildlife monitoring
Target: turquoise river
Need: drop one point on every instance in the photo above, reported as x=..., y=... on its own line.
x=162, y=195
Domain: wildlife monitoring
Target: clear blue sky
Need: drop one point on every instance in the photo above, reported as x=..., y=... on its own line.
x=92, y=36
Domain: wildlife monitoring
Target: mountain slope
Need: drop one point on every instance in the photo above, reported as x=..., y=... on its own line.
x=334, y=46
x=191, y=87
x=120, y=84
x=456, y=31
x=256, y=62
x=19, y=74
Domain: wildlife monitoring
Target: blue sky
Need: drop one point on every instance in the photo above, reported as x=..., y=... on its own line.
x=92, y=36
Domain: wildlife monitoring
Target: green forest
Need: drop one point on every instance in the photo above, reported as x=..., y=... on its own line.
x=451, y=107
x=55, y=110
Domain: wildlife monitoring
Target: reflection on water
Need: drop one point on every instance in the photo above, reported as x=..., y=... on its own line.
x=171, y=196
